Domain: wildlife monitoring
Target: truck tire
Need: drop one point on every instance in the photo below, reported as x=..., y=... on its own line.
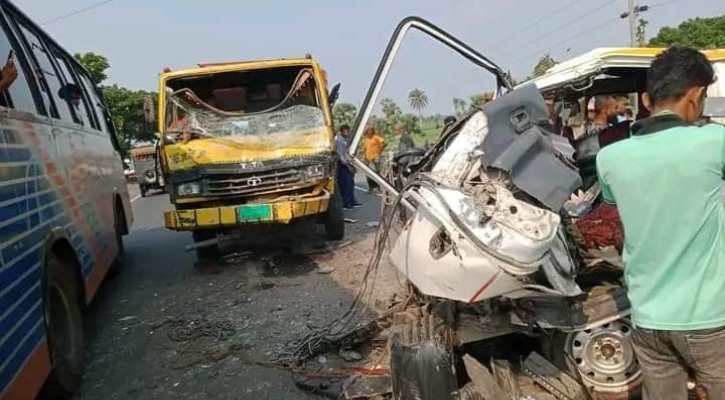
x=209, y=252
x=142, y=188
x=64, y=324
x=335, y=218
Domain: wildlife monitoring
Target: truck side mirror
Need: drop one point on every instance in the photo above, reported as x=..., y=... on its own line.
x=334, y=94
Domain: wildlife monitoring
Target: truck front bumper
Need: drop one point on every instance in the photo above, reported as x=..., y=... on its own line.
x=279, y=212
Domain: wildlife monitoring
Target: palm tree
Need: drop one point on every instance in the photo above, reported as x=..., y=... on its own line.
x=418, y=100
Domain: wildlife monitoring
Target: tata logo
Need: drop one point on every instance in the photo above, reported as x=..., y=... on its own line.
x=254, y=181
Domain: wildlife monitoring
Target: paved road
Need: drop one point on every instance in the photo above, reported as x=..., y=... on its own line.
x=139, y=326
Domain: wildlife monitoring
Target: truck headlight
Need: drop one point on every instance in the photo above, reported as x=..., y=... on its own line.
x=187, y=189
x=315, y=171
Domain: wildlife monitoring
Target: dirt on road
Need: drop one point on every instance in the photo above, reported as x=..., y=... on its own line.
x=167, y=329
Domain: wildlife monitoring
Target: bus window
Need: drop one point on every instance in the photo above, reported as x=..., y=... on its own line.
x=96, y=103
x=51, y=77
x=81, y=110
x=18, y=95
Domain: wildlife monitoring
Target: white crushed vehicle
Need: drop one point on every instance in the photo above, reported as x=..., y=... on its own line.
x=488, y=236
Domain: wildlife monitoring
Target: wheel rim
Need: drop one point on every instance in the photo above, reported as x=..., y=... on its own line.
x=59, y=321
x=604, y=357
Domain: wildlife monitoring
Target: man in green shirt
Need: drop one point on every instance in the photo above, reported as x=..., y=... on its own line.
x=665, y=181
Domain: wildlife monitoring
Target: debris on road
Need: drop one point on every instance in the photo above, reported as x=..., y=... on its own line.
x=351, y=220
x=325, y=270
x=373, y=224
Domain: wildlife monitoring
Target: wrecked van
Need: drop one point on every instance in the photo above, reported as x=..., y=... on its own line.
x=248, y=143
x=505, y=236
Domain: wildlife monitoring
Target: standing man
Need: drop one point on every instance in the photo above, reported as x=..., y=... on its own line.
x=665, y=182
x=374, y=144
x=405, y=141
x=345, y=171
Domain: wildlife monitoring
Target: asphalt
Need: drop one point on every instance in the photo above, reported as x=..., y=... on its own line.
x=138, y=328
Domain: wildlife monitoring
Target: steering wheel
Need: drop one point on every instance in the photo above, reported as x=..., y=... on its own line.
x=415, y=152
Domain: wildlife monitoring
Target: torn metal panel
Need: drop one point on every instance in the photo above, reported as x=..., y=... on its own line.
x=515, y=144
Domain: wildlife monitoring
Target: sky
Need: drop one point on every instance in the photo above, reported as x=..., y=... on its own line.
x=348, y=37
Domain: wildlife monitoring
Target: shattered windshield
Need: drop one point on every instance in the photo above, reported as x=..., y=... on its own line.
x=205, y=121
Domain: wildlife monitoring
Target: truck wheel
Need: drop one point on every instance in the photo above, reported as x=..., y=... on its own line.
x=335, y=218
x=64, y=323
x=209, y=252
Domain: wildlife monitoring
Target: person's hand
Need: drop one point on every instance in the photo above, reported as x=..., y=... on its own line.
x=10, y=74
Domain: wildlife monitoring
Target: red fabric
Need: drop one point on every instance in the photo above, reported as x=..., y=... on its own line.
x=601, y=227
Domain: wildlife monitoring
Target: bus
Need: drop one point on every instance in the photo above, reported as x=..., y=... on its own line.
x=64, y=208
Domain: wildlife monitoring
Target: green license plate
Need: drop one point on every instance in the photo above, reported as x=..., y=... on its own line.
x=252, y=212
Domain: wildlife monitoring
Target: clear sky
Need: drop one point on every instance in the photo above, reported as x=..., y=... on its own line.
x=140, y=37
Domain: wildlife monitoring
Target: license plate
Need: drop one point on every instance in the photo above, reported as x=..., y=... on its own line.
x=252, y=212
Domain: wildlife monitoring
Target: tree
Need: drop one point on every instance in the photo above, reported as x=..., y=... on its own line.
x=478, y=100
x=700, y=33
x=392, y=115
x=460, y=106
x=344, y=113
x=545, y=62
x=641, y=34
x=96, y=65
x=127, y=110
x=418, y=101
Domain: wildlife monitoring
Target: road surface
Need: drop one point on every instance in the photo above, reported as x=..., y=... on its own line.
x=162, y=328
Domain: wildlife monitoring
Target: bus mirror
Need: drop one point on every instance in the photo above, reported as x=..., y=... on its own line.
x=148, y=109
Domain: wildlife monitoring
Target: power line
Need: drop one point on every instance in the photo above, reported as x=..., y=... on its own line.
x=76, y=12
x=567, y=39
x=578, y=34
x=542, y=19
x=566, y=24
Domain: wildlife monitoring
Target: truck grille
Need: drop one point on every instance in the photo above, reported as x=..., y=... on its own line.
x=241, y=184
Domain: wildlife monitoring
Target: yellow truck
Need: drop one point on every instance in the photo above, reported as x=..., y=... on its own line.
x=248, y=143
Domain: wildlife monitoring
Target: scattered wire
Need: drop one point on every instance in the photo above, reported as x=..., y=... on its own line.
x=566, y=24
x=76, y=12
x=349, y=327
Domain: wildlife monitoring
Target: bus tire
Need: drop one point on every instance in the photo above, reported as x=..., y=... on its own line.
x=119, y=225
x=208, y=252
x=64, y=324
x=335, y=218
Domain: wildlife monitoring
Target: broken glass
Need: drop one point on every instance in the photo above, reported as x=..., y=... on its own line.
x=295, y=126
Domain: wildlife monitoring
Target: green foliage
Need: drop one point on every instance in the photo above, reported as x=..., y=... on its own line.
x=641, y=35
x=418, y=100
x=392, y=115
x=545, y=62
x=96, y=65
x=700, y=33
x=344, y=113
x=478, y=100
x=126, y=107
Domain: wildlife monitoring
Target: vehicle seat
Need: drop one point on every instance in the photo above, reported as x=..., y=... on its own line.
x=231, y=99
x=588, y=147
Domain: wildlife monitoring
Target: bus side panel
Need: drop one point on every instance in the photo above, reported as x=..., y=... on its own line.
x=29, y=208
x=40, y=190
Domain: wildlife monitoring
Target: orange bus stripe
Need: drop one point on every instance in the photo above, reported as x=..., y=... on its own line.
x=31, y=378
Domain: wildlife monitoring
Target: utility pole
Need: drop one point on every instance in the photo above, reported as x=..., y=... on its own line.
x=631, y=14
